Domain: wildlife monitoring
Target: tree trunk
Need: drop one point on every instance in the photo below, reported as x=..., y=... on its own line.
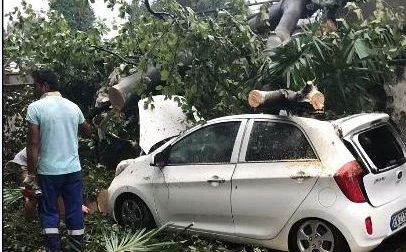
x=120, y=93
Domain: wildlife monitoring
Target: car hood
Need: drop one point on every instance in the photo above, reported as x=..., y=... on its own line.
x=161, y=119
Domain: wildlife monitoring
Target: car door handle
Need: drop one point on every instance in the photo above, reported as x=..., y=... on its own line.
x=399, y=175
x=216, y=179
x=301, y=175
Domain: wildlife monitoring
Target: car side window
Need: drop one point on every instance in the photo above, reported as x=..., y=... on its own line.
x=211, y=144
x=277, y=141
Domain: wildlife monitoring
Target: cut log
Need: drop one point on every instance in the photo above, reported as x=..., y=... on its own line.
x=309, y=98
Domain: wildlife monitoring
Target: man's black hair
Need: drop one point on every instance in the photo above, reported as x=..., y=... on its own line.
x=45, y=75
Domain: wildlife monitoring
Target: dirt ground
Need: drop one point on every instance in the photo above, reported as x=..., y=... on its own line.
x=396, y=243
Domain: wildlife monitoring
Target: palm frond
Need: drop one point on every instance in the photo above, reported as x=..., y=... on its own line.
x=347, y=64
x=140, y=240
x=11, y=196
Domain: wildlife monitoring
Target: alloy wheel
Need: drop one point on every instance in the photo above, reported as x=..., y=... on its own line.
x=315, y=236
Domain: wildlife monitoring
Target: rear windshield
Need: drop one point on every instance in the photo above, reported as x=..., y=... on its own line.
x=382, y=147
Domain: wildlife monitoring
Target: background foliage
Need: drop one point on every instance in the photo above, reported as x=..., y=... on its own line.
x=46, y=40
x=77, y=13
x=349, y=65
x=14, y=126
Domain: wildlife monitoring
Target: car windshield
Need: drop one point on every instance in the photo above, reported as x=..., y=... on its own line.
x=382, y=147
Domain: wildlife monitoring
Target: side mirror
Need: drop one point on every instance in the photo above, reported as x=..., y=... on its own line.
x=160, y=159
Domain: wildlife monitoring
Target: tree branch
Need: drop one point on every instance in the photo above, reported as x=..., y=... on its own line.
x=115, y=54
x=159, y=15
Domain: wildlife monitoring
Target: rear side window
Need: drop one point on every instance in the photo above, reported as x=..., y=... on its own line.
x=277, y=141
x=382, y=147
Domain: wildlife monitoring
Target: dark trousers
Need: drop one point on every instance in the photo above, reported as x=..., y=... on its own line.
x=70, y=187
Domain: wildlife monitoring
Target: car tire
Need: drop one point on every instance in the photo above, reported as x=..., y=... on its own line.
x=316, y=235
x=131, y=211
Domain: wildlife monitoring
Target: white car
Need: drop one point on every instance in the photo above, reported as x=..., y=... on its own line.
x=283, y=182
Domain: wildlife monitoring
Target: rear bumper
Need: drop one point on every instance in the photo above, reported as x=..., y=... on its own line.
x=355, y=232
x=381, y=221
x=349, y=219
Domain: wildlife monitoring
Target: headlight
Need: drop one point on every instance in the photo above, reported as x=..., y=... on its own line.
x=122, y=165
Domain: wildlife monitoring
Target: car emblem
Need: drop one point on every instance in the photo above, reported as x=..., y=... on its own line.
x=378, y=180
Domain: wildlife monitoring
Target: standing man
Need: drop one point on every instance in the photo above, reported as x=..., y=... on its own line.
x=53, y=161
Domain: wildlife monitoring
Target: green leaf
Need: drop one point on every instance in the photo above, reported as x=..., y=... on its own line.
x=318, y=49
x=361, y=48
x=140, y=240
x=164, y=75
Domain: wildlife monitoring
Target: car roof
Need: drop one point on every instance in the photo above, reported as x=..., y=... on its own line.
x=267, y=116
x=346, y=124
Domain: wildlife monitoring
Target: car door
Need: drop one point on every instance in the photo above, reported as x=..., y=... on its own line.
x=195, y=185
x=277, y=168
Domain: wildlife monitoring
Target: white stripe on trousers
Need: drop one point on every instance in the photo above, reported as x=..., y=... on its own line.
x=76, y=232
x=51, y=231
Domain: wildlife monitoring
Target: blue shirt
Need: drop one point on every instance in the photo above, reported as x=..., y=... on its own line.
x=58, y=120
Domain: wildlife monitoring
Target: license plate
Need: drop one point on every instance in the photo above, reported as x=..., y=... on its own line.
x=398, y=219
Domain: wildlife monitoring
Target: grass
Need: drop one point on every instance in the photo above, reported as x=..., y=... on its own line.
x=21, y=234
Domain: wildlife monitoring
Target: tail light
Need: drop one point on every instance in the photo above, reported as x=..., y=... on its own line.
x=368, y=225
x=349, y=179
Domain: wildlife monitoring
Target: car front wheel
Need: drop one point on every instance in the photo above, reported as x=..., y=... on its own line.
x=315, y=235
x=132, y=212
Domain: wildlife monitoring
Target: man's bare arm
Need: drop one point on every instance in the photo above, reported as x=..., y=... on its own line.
x=33, y=140
x=85, y=130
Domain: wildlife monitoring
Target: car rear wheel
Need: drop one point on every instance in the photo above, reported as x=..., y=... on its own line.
x=315, y=235
x=132, y=212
